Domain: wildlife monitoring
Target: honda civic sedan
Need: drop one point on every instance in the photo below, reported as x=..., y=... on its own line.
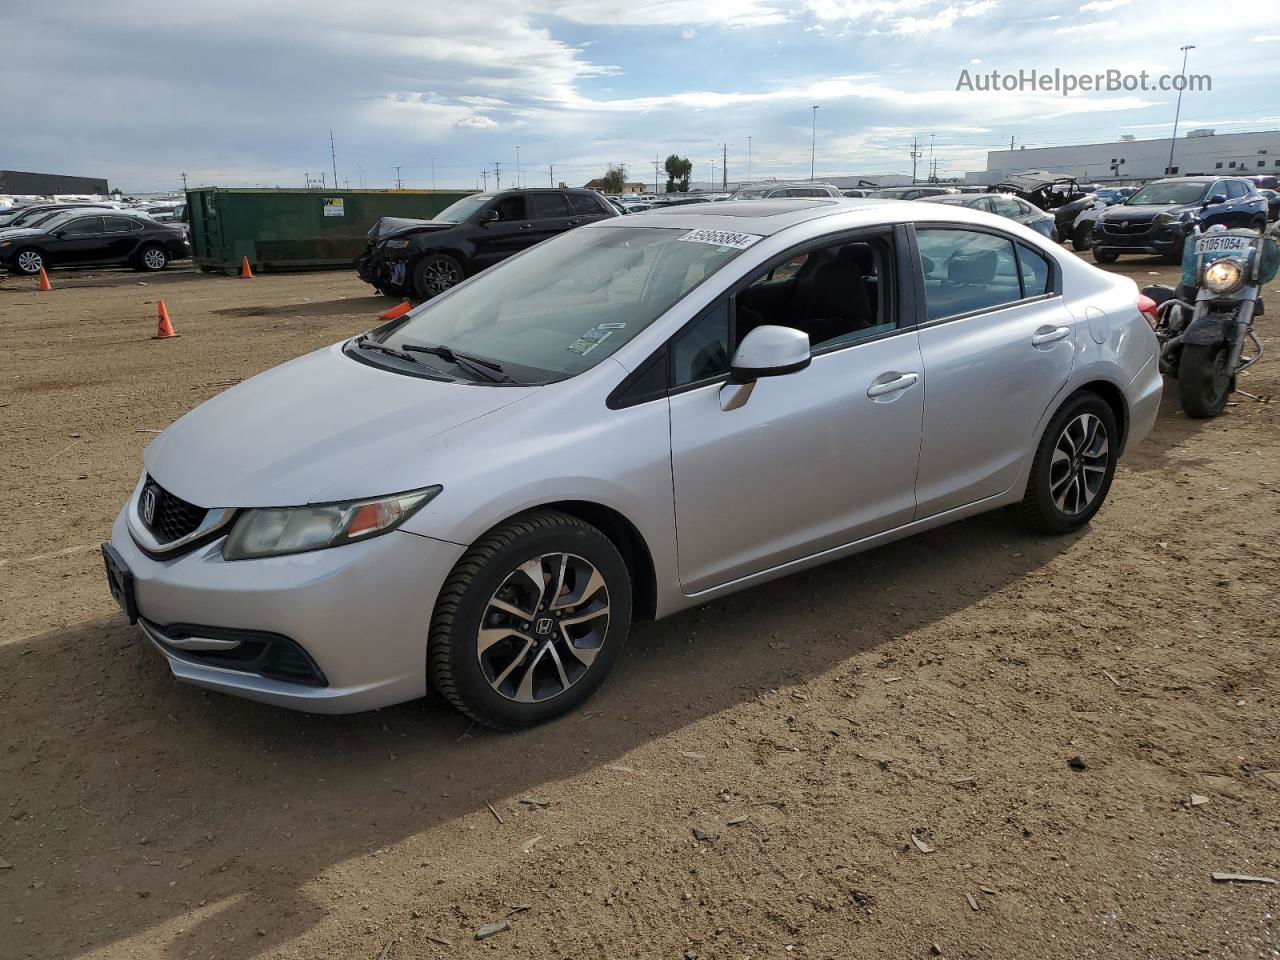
x=627, y=420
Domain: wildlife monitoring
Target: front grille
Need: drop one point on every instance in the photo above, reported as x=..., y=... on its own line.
x=174, y=518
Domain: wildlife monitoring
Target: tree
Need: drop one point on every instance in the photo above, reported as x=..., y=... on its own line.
x=678, y=171
x=615, y=180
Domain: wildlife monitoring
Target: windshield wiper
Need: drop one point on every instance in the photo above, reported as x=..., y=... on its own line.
x=489, y=369
x=364, y=343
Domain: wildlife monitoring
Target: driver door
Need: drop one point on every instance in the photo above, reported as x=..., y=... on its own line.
x=813, y=459
x=499, y=239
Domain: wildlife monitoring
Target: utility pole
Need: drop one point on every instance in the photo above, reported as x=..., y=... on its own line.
x=813, y=142
x=518, y=167
x=933, y=168
x=748, y=159
x=1011, y=144
x=915, y=155
x=1178, y=112
x=551, y=173
x=497, y=173
x=399, y=184
x=433, y=173
x=333, y=156
x=360, y=169
x=485, y=173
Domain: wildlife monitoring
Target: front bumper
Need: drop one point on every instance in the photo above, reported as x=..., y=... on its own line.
x=1165, y=239
x=381, y=268
x=359, y=612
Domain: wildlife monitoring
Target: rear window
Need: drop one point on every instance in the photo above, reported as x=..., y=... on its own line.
x=546, y=205
x=584, y=205
x=966, y=271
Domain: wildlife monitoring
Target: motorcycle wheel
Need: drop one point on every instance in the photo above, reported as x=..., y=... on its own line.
x=1204, y=383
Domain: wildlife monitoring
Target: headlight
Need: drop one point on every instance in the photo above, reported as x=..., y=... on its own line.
x=1223, y=276
x=1184, y=217
x=396, y=244
x=272, y=531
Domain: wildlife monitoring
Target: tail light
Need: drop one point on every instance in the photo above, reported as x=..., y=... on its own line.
x=1148, y=308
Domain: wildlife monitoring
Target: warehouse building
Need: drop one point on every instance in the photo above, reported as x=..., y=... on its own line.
x=1200, y=151
x=21, y=183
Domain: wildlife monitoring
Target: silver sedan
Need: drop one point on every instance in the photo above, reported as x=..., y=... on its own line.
x=617, y=424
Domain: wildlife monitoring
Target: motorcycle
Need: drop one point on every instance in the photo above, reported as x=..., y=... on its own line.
x=1202, y=324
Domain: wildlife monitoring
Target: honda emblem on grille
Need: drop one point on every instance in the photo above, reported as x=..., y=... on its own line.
x=149, y=505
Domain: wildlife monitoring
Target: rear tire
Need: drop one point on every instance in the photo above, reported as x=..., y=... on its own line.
x=1080, y=239
x=530, y=621
x=1105, y=256
x=152, y=258
x=1073, y=466
x=1259, y=224
x=1204, y=384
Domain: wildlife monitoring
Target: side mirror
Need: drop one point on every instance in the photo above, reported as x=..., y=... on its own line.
x=766, y=351
x=1217, y=198
x=488, y=217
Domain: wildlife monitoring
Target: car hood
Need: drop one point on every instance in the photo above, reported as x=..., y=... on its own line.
x=1145, y=212
x=320, y=428
x=12, y=233
x=399, y=226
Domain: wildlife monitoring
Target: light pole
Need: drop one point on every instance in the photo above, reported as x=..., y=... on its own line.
x=813, y=141
x=748, y=159
x=1178, y=112
x=517, y=166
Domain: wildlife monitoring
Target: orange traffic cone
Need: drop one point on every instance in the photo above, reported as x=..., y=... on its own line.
x=245, y=272
x=399, y=310
x=164, y=329
x=44, y=280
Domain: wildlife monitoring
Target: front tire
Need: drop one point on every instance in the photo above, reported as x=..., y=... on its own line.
x=530, y=621
x=1105, y=256
x=28, y=261
x=1080, y=239
x=435, y=273
x=1204, y=383
x=1073, y=467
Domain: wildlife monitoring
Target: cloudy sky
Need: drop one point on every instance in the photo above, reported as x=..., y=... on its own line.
x=245, y=93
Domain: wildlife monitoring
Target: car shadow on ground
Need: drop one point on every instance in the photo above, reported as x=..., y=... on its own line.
x=118, y=777
x=311, y=309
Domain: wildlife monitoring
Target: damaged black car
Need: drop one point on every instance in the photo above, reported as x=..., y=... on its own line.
x=421, y=258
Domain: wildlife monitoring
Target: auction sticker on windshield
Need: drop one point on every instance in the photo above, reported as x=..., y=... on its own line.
x=1222, y=244
x=721, y=238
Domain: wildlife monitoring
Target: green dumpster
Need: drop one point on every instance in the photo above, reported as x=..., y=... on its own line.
x=296, y=229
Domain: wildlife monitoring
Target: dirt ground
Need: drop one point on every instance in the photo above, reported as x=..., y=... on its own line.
x=874, y=755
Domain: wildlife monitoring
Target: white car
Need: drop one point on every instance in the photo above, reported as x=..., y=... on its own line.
x=624, y=421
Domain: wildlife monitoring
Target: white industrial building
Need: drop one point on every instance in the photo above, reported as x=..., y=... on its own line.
x=1127, y=159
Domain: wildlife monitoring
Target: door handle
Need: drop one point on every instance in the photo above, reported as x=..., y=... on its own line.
x=525, y=226
x=899, y=381
x=1050, y=335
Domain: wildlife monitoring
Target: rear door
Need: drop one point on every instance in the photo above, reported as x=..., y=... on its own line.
x=997, y=343
x=120, y=239
x=585, y=209
x=548, y=215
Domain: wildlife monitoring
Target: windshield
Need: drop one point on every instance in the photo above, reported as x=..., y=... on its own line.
x=1154, y=194
x=569, y=302
x=752, y=193
x=464, y=209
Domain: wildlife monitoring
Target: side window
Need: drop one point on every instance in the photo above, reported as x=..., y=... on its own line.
x=545, y=206
x=1218, y=189
x=584, y=206
x=84, y=227
x=701, y=352
x=117, y=224
x=965, y=271
x=1006, y=206
x=836, y=294
x=510, y=208
x=1036, y=273
x=1236, y=189
x=984, y=204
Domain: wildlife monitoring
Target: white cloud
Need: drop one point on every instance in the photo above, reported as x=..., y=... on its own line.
x=1097, y=25
x=1100, y=6
x=477, y=122
x=1267, y=38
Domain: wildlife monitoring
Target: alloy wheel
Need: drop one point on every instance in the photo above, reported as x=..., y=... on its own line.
x=30, y=262
x=154, y=259
x=543, y=627
x=440, y=274
x=1078, y=466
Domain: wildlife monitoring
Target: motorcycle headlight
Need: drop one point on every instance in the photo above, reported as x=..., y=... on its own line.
x=273, y=531
x=1223, y=276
